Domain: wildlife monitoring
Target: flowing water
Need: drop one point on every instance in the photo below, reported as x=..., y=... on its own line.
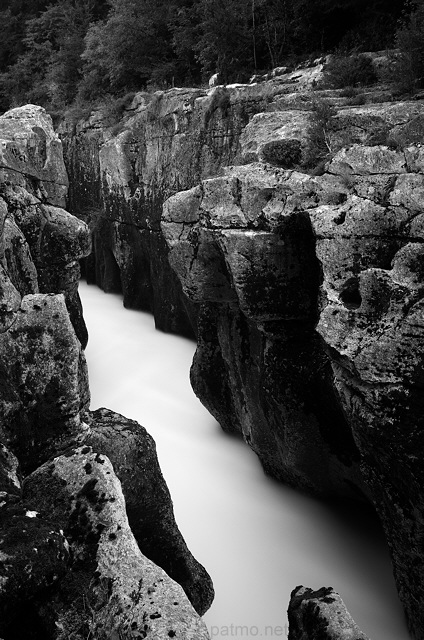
x=257, y=538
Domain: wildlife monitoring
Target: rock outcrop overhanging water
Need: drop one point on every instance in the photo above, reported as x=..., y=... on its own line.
x=88, y=542
x=305, y=290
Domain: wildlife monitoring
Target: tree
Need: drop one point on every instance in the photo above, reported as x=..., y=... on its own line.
x=48, y=69
x=409, y=69
x=226, y=37
x=130, y=48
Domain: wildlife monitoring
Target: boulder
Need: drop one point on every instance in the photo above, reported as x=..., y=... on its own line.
x=112, y=589
x=132, y=452
x=320, y=615
x=34, y=553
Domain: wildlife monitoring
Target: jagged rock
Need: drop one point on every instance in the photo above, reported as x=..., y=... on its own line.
x=247, y=252
x=320, y=615
x=309, y=288
x=132, y=452
x=41, y=242
x=278, y=138
x=33, y=551
x=31, y=153
x=167, y=142
x=44, y=398
x=372, y=323
x=112, y=588
x=44, y=386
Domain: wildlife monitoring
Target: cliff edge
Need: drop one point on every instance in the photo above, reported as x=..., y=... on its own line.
x=89, y=546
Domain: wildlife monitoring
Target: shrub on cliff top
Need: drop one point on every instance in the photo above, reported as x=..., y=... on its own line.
x=355, y=70
x=408, y=72
x=319, y=149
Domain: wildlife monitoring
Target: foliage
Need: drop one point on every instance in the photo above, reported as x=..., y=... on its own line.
x=356, y=70
x=48, y=70
x=408, y=72
x=283, y=153
x=55, y=51
x=129, y=48
x=319, y=149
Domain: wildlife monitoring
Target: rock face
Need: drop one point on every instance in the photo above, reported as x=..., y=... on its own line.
x=311, y=327
x=121, y=175
x=41, y=243
x=305, y=289
x=112, y=589
x=320, y=615
x=66, y=547
x=244, y=250
x=246, y=247
x=132, y=452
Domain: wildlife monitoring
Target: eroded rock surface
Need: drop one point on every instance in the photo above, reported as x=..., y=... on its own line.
x=132, y=452
x=63, y=558
x=112, y=589
x=121, y=173
x=41, y=243
x=305, y=290
x=311, y=333
x=320, y=615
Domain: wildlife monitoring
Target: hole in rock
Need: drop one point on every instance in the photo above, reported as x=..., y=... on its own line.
x=350, y=296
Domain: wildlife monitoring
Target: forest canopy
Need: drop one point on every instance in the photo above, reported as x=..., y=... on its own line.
x=57, y=52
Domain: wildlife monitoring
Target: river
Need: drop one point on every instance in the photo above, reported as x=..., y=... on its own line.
x=257, y=538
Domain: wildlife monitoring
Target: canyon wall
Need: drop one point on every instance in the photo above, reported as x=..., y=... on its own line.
x=302, y=280
x=89, y=546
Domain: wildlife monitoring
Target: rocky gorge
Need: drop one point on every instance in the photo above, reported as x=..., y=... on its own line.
x=304, y=289
x=89, y=546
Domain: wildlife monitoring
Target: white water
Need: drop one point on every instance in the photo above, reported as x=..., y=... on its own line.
x=257, y=538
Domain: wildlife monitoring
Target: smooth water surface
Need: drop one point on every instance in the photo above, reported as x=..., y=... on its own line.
x=258, y=539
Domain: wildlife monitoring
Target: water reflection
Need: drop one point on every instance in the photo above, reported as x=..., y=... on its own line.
x=257, y=538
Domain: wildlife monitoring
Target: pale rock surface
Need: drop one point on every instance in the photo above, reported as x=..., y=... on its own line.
x=310, y=332
x=30, y=149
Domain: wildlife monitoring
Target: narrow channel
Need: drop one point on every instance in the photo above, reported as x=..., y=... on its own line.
x=257, y=538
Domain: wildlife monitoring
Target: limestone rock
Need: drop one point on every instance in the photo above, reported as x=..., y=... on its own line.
x=44, y=386
x=246, y=253
x=121, y=176
x=33, y=551
x=132, y=452
x=320, y=615
x=288, y=358
x=41, y=243
x=112, y=588
x=30, y=149
x=276, y=137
